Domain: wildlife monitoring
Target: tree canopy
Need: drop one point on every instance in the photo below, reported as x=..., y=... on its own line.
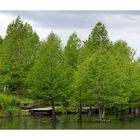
x=96, y=72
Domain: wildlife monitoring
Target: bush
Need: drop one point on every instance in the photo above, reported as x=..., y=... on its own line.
x=72, y=109
x=12, y=111
x=8, y=100
x=59, y=109
x=9, y=105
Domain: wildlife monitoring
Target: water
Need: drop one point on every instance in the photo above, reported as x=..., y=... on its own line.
x=66, y=122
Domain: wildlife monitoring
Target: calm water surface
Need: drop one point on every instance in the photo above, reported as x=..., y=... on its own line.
x=67, y=122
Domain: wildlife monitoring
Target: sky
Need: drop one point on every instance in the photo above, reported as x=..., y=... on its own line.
x=120, y=24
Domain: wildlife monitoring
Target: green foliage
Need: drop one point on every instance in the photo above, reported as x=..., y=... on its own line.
x=98, y=37
x=71, y=51
x=12, y=111
x=48, y=75
x=94, y=77
x=27, y=101
x=9, y=105
x=18, y=52
x=71, y=58
x=121, y=47
x=73, y=107
x=59, y=109
x=98, y=73
x=8, y=100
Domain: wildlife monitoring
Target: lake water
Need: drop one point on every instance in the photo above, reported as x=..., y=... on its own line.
x=66, y=122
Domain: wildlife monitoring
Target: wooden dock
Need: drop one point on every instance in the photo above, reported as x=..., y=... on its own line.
x=41, y=111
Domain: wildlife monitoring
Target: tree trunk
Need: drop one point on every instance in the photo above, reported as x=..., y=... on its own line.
x=53, y=111
x=130, y=111
x=101, y=110
x=139, y=110
x=116, y=112
x=90, y=111
x=122, y=113
x=130, y=114
x=134, y=111
x=18, y=90
x=80, y=111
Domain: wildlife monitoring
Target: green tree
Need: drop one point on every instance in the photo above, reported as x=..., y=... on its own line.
x=71, y=50
x=98, y=37
x=135, y=96
x=47, y=77
x=124, y=57
x=101, y=79
x=1, y=40
x=71, y=55
x=80, y=86
x=123, y=51
x=18, y=52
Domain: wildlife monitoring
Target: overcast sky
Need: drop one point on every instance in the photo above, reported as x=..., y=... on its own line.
x=120, y=24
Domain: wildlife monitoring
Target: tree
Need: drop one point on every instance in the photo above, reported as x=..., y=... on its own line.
x=80, y=86
x=18, y=51
x=1, y=40
x=100, y=79
x=123, y=51
x=71, y=56
x=136, y=96
x=124, y=56
x=47, y=77
x=71, y=50
x=98, y=37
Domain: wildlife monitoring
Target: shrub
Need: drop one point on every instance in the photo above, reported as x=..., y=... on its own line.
x=60, y=109
x=11, y=111
x=9, y=105
x=8, y=100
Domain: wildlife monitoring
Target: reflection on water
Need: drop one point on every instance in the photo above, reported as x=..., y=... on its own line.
x=54, y=124
x=67, y=122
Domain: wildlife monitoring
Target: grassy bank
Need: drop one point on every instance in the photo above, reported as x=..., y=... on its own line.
x=10, y=106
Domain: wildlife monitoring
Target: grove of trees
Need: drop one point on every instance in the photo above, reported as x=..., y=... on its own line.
x=92, y=73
